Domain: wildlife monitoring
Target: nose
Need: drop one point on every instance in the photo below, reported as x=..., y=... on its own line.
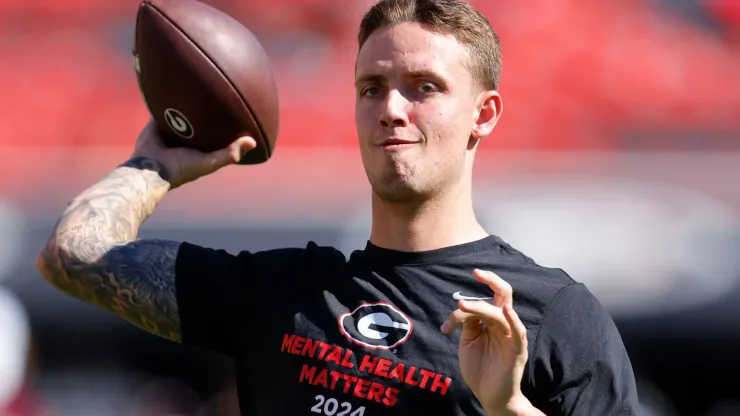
x=394, y=110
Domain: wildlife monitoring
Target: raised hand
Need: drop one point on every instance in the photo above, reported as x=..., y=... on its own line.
x=183, y=164
x=493, y=348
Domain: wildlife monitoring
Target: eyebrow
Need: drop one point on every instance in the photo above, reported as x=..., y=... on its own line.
x=368, y=78
x=375, y=77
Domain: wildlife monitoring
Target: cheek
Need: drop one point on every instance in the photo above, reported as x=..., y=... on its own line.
x=445, y=124
x=364, y=121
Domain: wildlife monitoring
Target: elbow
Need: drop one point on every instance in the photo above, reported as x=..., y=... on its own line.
x=52, y=263
x=63, y=267
x=48, y=263
x=41, y=265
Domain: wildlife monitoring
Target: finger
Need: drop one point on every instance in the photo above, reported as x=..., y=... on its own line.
x=476, y=311
x=151, y=128
x=471, y=325
x=471, y=329
x=150, y=134
x=457, y=319
x=492, y=315
x=503, y=293
x=518, y=330
x=241, y=146
x=232, y=153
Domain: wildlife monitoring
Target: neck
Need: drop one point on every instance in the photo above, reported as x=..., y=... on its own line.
x=436, y=223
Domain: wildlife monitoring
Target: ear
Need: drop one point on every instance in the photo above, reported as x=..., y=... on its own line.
x=490, y=108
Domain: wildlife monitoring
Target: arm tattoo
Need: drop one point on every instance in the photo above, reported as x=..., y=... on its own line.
x=94, y=255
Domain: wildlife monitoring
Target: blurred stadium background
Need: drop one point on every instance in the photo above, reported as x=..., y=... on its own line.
x=617, y=159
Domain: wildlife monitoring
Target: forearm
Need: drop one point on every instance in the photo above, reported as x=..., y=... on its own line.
x=111, y=211
x=106, y=215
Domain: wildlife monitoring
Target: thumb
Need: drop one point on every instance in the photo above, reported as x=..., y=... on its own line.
x=233, y=152
x=246, y=144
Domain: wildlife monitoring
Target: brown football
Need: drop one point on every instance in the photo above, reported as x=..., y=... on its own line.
x=205, y=78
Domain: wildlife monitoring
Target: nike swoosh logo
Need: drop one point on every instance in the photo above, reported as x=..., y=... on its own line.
x=458, y=296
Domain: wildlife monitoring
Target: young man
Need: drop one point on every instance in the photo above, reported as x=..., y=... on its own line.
x=314, y=332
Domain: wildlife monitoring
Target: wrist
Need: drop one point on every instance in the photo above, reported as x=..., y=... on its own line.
x=519, y=406
x=153, y=168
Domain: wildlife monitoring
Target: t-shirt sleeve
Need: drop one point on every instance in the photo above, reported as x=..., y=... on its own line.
x=579, y=365
x=209, y=284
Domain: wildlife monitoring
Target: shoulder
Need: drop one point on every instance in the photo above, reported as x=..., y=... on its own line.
x=311, y=255
x=212, y=285
x=577, y=360
x=193, y=256
x=554, y=304
x=539, y=285
x=554, y=287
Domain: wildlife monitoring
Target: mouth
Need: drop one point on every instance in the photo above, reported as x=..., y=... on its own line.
x=395, y=144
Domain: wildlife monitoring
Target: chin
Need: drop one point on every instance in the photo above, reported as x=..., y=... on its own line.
x=396, y=190
x=395, y=182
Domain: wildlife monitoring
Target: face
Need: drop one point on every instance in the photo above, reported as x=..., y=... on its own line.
x=419, y=113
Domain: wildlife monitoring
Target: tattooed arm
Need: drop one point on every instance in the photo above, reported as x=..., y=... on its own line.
x=93, y=253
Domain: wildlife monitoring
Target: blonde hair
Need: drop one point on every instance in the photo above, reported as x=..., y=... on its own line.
x=449, y=17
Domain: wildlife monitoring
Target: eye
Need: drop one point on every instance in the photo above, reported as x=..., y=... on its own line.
x=428, y=88
x=370, y=91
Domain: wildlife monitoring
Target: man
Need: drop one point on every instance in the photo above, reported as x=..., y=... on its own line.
x=314, y=332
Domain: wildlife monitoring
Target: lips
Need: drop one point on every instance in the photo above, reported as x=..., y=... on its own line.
x=396, y=141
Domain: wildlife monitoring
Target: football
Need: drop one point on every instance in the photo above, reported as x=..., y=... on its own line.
x=205, y=78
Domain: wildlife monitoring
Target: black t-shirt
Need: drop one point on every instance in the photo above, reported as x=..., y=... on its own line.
x=313, y=332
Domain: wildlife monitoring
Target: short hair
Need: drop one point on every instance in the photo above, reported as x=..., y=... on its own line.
x=448, y=17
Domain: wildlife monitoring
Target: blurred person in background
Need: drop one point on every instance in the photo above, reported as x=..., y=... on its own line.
x=17, y=361
x=314, y=332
